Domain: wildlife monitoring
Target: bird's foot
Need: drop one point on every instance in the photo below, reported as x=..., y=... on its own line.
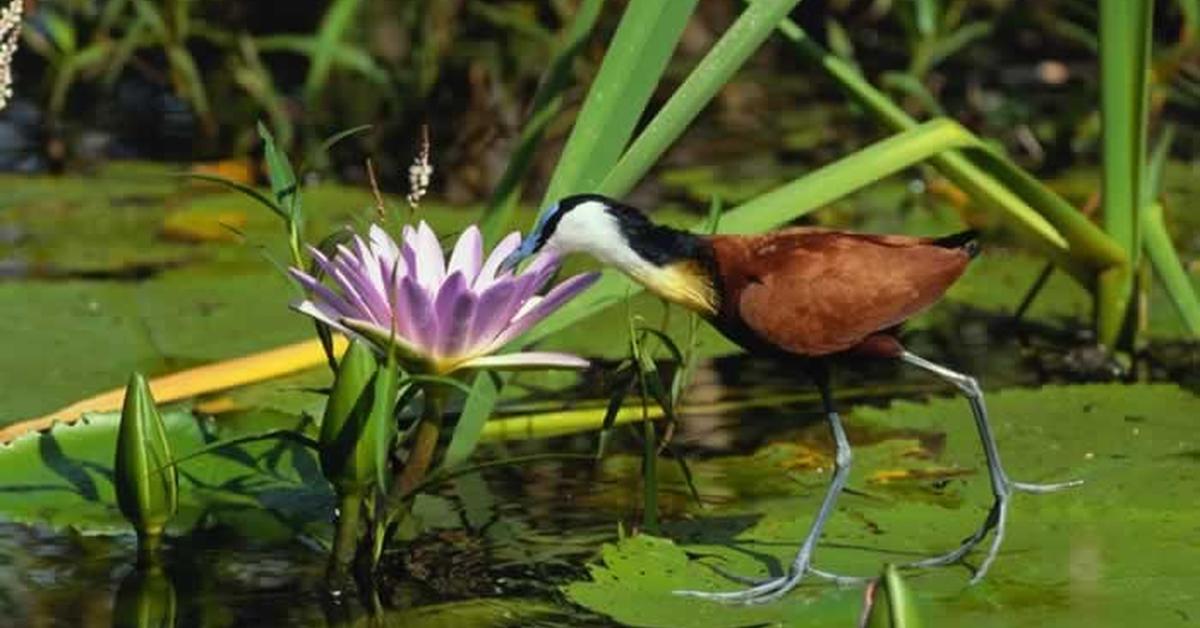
x=761, y=591
x=764, y=590
x=996, y=520
x=1025, y=487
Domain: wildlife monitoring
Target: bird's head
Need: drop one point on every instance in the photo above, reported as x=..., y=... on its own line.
x=673, y=264
x=586, y=223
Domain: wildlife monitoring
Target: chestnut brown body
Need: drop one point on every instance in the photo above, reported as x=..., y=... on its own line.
x=816, y=292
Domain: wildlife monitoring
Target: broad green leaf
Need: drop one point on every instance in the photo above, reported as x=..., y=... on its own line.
x=265, y=490
x=1045, y=221
x=635, y=585
x=284, y=186
x=481, y=399
x=344, y=425
x=340, y=54
x=918, y=486
x=1169, y=268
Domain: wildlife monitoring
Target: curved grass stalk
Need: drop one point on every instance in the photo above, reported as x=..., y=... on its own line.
x=1162, y=255
x=1040, y=217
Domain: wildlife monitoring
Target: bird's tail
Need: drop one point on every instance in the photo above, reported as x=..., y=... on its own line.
x=967, y=240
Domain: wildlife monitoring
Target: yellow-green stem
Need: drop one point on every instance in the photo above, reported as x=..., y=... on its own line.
x=345, y=540
x=650, y=478
x=149, y=547
x=424, y=446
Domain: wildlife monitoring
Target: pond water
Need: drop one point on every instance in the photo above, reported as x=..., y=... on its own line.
x=497, y=546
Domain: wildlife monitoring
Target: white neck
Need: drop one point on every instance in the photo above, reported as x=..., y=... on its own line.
x=590, y=228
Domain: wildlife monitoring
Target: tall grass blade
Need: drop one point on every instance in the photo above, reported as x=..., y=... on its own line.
x=334, y=25
x=1169, y=268
x=484, y=393
x=736, y=45
x=1063, y=235
x=636, y=59
x=1125, y=35
x=547, y=102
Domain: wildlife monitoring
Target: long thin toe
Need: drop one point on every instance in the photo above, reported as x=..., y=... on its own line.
x=838, y=579
x=746, y=596
x=1025, y=487
x=768, y=591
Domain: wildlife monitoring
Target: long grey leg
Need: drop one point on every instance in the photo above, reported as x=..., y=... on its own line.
x=776, y=588
x=1002, y=487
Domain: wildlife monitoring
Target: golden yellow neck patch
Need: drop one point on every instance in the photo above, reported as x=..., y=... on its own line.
x=685, y=283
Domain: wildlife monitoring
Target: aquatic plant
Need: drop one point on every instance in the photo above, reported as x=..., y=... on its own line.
x=438, y=315
x=435, y=317
x=144, y=474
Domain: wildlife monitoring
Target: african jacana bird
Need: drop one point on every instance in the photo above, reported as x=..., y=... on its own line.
x=810, y=295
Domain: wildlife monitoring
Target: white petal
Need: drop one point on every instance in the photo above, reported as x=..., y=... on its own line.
x=526, y=360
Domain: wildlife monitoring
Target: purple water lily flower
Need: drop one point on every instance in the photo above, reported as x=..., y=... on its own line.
x=438, y=316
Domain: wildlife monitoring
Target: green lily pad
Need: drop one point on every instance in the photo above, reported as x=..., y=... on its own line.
x=268, y=490
x=1116, y=551
x=637, y=582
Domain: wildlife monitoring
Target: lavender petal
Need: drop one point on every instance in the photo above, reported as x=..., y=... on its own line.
x=383, y=244
x=467, y=257
x=490, y=318
x=321, y=313
x=455, y=309
x=430, y=262
x=553, y=300
x=487, y=274
x=416, y=310
x=321, y=292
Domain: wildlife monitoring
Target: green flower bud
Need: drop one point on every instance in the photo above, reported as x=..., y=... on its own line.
x=146, y=481
x=358, y=423
x=890, y=603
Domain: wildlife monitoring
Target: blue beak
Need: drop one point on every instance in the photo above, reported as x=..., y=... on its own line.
x=526, y=250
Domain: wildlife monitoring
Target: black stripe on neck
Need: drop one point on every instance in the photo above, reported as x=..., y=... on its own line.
x=658, y=244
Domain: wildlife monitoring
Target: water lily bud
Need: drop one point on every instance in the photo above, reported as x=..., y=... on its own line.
x=146, y=482
x=358, y=416
x=890, y=603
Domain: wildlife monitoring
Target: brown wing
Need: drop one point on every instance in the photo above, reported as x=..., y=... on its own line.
x=816, y=292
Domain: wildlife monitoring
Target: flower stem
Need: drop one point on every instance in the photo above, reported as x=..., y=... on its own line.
x=149, y=547
x=345, y=540
x=421, y=454
x=650, y=478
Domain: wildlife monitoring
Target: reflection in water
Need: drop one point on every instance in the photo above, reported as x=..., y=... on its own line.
x=145, y=599
x=512, y=536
